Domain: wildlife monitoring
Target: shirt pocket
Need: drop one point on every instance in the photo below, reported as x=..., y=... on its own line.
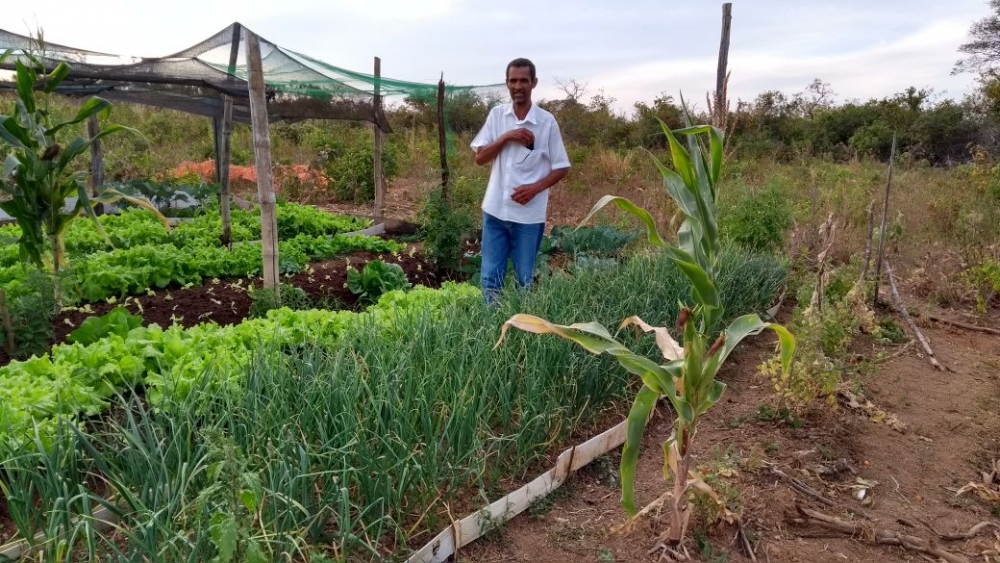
x=528, y=161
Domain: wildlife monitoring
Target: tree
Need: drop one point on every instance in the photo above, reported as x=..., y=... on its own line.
x=983, y=52
x=817, y=95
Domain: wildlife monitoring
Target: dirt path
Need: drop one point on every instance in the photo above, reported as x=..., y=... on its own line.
x=952, y=431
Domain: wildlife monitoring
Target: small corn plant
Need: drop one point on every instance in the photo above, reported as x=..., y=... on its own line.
x=687, y=378
x=39, y=176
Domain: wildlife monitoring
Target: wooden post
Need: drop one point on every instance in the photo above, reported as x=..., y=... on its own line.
x=8, y=326
x=720, y=77
x=262, y=157
x=442, y=146
x=223, y=127
x=868, y=247
x=96, y=161
x=377, y=149
x=234, y=49
x=885, y=215
x=224, y=149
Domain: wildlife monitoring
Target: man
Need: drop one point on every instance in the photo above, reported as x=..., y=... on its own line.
x=523, y=143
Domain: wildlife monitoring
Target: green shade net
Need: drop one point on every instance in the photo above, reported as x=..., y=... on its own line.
x=197, y=79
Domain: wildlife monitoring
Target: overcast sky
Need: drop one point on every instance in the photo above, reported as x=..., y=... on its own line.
x=632, y=50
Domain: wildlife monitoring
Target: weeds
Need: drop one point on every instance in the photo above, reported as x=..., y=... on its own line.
x=759, y=220
x=263, y=300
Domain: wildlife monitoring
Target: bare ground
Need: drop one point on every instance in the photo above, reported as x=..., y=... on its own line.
x=952, y=432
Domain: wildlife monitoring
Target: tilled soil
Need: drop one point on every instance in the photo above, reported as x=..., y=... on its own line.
x=227, y=301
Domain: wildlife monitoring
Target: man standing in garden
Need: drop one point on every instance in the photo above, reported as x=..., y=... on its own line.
x=523, y=143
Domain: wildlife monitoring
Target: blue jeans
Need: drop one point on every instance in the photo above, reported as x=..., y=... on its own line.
x=503, y=240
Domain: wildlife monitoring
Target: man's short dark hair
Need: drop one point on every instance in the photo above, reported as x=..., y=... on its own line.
x=521, y=63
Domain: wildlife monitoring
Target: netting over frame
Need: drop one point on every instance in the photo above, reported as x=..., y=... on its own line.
x=195, y=79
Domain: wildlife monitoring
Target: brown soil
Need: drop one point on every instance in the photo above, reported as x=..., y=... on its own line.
x=952, y=433
x=227, y=301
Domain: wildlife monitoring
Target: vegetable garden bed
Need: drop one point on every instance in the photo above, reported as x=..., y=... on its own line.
x=344, y=434
x=228, y=301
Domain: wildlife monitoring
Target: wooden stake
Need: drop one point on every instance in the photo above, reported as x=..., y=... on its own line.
x=223, y=155
x=8, y=325
x=868, y=248
x=885, y=215
x=442, y=147
x=224, y=146
x=377, y=149
x=262, y=156
x=96, y=161
x=720, y=78
x=234, y=51
x=906, y=317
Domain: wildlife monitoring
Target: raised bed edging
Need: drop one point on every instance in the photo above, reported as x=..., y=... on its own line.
x=472, y=527
x=459, y=534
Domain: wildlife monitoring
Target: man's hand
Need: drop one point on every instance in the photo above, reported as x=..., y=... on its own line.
x=523, y=136
x=489, y=152
x=524, y=194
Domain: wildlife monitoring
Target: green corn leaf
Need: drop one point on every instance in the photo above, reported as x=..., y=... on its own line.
x=678, y=190
x=628, y=206
x=681, y=157
x=714, y=394
x=55, y=78
x=597, y=340
x=749, y=325
x=638, y=417
x=716, y=145
x=702, y=283
x=25, y=85
x=10, y=164
x=685, y=410
x=15, y=135
x=92, y=106
x=652, y=375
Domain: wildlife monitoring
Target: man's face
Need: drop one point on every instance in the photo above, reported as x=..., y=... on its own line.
x=520, y=83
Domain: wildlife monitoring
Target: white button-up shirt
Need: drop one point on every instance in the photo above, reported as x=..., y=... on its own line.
x=516, y=165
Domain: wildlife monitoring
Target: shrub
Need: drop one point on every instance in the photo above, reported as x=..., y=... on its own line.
x=32, y=305
x=758, y=222
x=351, y=169
x=443, y=229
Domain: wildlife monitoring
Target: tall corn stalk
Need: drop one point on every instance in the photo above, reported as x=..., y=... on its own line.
x=687, y=378
x=38, y=175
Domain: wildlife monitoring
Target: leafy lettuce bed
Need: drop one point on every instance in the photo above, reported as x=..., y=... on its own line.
x=147, y=256
x=79, y=379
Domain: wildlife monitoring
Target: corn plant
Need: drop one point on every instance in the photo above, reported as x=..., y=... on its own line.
x=687, y=379
x=38, y=176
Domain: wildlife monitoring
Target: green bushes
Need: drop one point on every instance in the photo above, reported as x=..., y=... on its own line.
x=758, y=220
x=31, y=305
x=350, y=166
x=443, y=230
